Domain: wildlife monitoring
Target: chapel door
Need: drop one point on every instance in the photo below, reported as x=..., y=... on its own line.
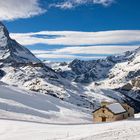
x=103, y=119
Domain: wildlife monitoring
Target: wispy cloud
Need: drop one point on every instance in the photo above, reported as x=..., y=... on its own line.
x=74, y=38
x=82, y=45
x=101, y=50
x=87, y=52
x=14, y=9
x=68, y=4
x=42, y=54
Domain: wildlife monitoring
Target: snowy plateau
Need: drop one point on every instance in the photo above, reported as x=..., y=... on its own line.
x=53, y=101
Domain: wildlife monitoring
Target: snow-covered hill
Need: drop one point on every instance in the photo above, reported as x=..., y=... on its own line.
x=17, y=104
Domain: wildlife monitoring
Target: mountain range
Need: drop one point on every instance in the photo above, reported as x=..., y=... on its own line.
x=82, y=83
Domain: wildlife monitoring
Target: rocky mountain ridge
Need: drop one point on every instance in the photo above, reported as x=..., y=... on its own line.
x=83, y=83
x=119, y=73
x=19, y=67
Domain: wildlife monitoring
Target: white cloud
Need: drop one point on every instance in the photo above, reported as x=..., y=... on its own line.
x=64, y=5
x=95, y=52
x=78, y=38
x=52, y=55
x=101, y=50
x=14, y=9
x=82, y=45
x=68, y=4
x=104, y=2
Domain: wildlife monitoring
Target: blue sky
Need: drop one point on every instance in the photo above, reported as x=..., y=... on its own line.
x=62, y=30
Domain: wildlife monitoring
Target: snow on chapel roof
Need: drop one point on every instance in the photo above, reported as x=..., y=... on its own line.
x=116, y=108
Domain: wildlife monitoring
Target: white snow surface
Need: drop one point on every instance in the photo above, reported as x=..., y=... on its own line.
x=23, y=130
x=116, y=108
x=17, y=104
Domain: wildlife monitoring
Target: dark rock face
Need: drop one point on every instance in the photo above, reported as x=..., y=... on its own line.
x=136, y=82
x=127, y=87
x=2, y=73
x=133, y=74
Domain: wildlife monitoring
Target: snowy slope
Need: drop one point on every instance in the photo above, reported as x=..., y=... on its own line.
x=17, y=104
x=35, y=116
x=122, y=130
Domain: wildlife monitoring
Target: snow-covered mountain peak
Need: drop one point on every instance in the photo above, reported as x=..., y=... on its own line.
x=13, y=52
x=4, y=35
x=4, y=29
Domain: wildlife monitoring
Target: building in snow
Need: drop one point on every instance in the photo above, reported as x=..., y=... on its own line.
x=109, y=112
